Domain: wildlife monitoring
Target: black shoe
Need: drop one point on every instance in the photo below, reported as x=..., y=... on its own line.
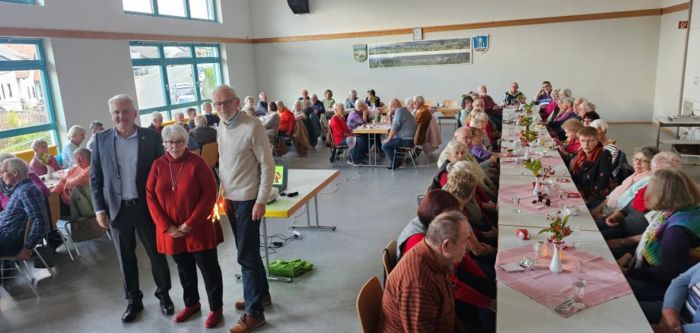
x=131, y=311
x=166, y=306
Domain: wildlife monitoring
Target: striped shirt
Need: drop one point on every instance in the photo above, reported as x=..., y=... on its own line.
x=419, y=295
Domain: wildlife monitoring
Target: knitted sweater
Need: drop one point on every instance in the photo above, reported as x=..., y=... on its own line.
x=246, y=165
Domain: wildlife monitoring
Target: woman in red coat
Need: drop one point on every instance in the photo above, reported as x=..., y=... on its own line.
x=181, y=193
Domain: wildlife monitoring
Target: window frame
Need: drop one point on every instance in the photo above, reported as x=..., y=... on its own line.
x=40, y=64
x=188, y=12
x=25, y=2
x=164, y=62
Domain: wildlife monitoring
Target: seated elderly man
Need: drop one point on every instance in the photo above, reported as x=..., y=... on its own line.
x=156, y=122
x=202, y=133
x=403, y=127
x=74, y=187
x=271, y=122
x=419, y=292
x=26, y=204
x=180, y=120
x=352, y=98
x=95, y=127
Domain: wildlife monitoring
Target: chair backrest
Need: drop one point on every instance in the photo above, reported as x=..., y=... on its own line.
x=450, y=103
x=416, y=135
x=369, y=305
x=210, y=153
x=54, y=201
x=389, y=258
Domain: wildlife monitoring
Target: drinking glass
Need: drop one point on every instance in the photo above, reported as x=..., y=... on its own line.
x=576, y=235
x=579, y=292
x=516, y=203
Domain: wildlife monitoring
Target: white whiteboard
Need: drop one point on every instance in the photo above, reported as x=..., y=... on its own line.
x=691, y=84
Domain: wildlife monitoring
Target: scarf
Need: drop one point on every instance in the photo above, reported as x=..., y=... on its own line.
x=44, y=158
x=656, y=219
x=233, y=121
x=688, y=218
x=583, y=161
x=633, y=183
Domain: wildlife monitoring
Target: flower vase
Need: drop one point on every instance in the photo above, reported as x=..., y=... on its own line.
x=537, y=188
x=527, y=154
x=555, y=266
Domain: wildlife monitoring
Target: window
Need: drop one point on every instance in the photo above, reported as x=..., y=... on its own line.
x=28, y=2
x=188, y=9
x=26, y=105
x=172, y=77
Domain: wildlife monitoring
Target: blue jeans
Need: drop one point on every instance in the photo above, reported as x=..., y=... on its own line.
x=392, y=145
x=247, y=235
x=359, y=151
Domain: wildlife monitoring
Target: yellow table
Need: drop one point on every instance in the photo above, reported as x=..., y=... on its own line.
x=374, y=131
x=308, y=183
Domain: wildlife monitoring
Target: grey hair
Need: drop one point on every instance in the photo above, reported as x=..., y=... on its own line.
x=648, y=152
x=408, y=101
x=175, y=132
x=588, y=106
x=565, y=92
x=17, y=165
x=121, y=98
x=200, y=120
x=179, y=113
x=353, y=92
x=157, y=114
x=446, y=227
x=4, y=156
x=205, y=104
x=37, y=142
x=359, y=103
x=225, y=87
x=75, y=130
x=96, y=124
x=453, y=145
x=419, y=100
x=567, y=100
x=600, y=125
x=245, y=100
x=339, y=106
x=665, y=160
x=84, y=152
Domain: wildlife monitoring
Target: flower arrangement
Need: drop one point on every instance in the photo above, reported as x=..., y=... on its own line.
x=528, y=107
x=527, y=135
x=538, y=170
x=558, y=228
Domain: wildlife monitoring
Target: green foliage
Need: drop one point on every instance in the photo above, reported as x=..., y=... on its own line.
x=559, y=228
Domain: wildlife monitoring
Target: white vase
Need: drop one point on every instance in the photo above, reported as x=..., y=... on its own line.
x=555, y=265
x=527, y=154
x=537, y=189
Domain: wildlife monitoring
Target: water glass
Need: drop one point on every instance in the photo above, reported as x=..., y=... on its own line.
x=579, y=292
x=516, y=203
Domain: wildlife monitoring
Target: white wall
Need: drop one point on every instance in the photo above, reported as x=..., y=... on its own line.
x=691, y=87
x=669, y=69
x=275, y=19
x=612, y=62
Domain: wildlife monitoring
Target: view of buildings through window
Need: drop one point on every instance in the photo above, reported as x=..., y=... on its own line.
x=25, y=112
x=172, y=77
x=191, y=9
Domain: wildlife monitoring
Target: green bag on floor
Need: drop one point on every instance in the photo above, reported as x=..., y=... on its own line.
x=292, y=268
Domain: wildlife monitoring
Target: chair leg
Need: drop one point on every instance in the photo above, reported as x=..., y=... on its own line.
x=44, y=262
x=70, y=238
x=30, y=275
x=64, y=235
x=410, y=154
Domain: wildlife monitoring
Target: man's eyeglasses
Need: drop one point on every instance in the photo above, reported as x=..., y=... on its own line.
x=176, y=142
x=222, y=103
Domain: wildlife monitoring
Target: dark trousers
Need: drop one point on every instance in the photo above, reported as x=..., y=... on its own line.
x=247, y=235
x=394, y=144
x=208, y=263
x=130, y=221
x=10, y=246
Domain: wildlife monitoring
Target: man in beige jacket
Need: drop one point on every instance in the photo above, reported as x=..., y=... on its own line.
x=246, y=168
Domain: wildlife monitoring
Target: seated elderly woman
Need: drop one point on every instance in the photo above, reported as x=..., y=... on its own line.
x=674, y=247
x=566, y=112
x=624, y=193
x=625, y=228
x=6, y=191
x=567, y=150
x=342, y=135
x=552, y=107
x=271, y=122
x=467, y=106
x=42, y=160
x=591, y=167
x=156, y=122
x=456, y=151
x=74, y=187
x=481, y=122
x=359, y=116
x=474, y=292
x=76, y=136
x=589, y=117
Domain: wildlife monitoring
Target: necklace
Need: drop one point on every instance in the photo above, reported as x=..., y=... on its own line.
x=173, y=180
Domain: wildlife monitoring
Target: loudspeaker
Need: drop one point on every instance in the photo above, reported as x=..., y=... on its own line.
x=299, y=6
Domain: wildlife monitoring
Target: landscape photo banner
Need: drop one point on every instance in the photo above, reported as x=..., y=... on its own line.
x=420, y=53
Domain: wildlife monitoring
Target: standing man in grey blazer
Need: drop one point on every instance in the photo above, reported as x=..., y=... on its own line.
x=121, y=160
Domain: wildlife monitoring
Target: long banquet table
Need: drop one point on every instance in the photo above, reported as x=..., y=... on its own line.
x=516, y=311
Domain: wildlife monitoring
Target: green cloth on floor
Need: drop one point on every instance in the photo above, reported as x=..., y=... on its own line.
x=292, y=268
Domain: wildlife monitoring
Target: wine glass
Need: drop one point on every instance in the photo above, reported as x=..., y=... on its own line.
x=516, y=203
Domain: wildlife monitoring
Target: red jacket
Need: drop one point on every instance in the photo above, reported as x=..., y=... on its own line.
x=340, y=129
x=191, y=203
x=287, y=121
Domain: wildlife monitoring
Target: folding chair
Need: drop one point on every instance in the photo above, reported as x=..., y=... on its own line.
x=369, y=305
x=409, y=152
x=337, y=150
x=55, y=220
x=28, y=276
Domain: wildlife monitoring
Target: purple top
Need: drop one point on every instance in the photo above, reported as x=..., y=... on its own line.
x=480, y=153
x=355, y=120
x=40, y=169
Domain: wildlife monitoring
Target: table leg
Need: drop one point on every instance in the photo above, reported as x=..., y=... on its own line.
x=267, y=257
x=658, y=135
x=308, y=219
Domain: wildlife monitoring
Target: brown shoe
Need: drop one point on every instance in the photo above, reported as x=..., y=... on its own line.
x=247, y=323
x=240, y=304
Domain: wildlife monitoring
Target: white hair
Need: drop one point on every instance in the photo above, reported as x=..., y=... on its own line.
x=419, y=100
x=121, y=97
x=75, y=130
x=4, y=156
x=665, y=160
x=224, y=87
x=157, y=115
x=175, y=132
x=200, y=120
x=17, y=165
x=600, y=124
x=37, y=142
x=84, y=152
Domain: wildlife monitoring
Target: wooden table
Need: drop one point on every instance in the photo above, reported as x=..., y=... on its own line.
x=308, y=183
x=517, y=312
x=374, y=132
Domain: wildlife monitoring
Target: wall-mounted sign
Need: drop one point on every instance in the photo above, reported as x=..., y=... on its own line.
x=480, y=43
x=359, y=52
x=420, y=53
x=683, y=24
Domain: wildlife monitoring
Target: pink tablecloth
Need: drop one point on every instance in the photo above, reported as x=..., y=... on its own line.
x=524, y=192
x=605, y=280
